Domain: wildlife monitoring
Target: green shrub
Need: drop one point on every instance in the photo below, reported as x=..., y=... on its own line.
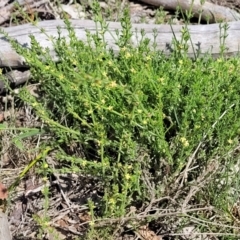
x=138, y=114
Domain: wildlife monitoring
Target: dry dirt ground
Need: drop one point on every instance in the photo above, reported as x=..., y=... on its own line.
x=27, y=201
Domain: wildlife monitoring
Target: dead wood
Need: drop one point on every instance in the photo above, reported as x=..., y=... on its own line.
x=3, y=3
x=209, y=11
x=8, y=7
x=4, y=227
x=204, y=38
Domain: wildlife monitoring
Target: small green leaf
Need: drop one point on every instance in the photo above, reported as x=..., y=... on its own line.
x=30, y=133
x=18, y=139
x=18, y=143
x=3, y=126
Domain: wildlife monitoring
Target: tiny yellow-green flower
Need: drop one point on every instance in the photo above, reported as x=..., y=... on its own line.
x=132, y=70
x=35, y=104
x=184, y=141
x=45, y=179
x=129, y=166
x=90, y=111
x=112, y=201
x=127, y=176
x=45, y=165
x=84, y=163
x=127, y=55
x=148, y=57
x=113, y=84
x=61, y=77
x=104, y=74
x=186, y=144
x=161, y=80
x=91, y=223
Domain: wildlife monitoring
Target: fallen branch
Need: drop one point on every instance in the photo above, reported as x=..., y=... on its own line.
x=204, y=39
x=208, y=11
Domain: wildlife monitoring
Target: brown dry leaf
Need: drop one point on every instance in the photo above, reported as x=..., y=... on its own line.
x=3, y=192
x=84, y=217
x=62, y=223
x=145, y=234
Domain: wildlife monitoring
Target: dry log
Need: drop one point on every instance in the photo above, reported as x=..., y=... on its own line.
x=209, y=11
x=8, y=7
x=3, y=3
x=204, y=38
